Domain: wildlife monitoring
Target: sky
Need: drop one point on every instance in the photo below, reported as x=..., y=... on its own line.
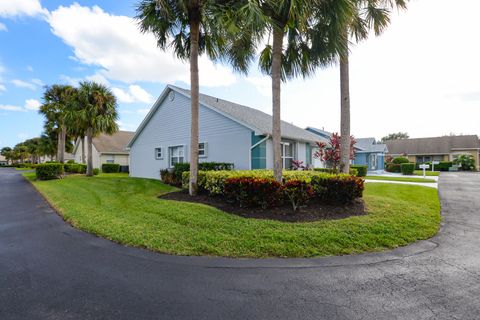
x=421, y=76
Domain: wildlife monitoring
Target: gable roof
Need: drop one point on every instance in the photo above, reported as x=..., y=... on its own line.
x=115, y=143
x=320, y=132
x=251, y=118
x=436, y=145
x=370, y=145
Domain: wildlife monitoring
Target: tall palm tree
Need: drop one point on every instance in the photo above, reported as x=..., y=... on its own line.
x=299, y=45
x=190, y=27
x=367, y=15
x=57, y=100
x=97, y=114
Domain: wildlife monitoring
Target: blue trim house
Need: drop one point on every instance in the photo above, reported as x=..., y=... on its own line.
x=367, y=150
x=228, y=132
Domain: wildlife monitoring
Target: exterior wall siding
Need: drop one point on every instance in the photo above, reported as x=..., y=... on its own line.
x=227, y=141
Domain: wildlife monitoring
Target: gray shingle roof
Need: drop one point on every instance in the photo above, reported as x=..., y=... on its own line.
x=115, y=143
x=253, y=118
x=437, y=145
x=370, y=145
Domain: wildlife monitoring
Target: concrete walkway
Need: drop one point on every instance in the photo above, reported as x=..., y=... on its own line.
x=49, y=270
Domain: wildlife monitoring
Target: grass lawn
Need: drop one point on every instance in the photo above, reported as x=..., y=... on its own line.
x=402, y=179
x=427, y=173
x=24, y=169
x=128, y=211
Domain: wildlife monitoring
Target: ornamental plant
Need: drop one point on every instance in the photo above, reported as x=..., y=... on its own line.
x=330, y=152
x=298, y=193
x=466, y=162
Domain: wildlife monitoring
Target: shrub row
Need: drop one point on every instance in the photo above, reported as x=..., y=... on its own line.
x=407, y=168
x=442, y=166
x=49, y=171
x=110, y=168
x=258, y=188
x=361, y=170
x=75, y=168
x=174, y=176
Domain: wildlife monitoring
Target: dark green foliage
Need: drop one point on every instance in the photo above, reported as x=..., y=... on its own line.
x=392, y=167
x=326, y=170
x=49, y=171
x=298, y=192
x=253, y=192
x=96, y=171
x=466, y=162
x=75, y=168
x=400, y=160
x=175, y=176
x=442, y=166
x=337, y=189
x=167, y=177
x=361, y=170
x=71, y=161
x=110, y=168
x=407, y=168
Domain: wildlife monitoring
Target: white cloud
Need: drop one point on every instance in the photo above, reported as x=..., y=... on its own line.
x=29, y=68
x=126, y=126
x=32, y=104
x=15, y=8
x=23, y=136
x=11, y=108
x=3, y=27
x=38, y=82
x=135, y=93
x=115, y=44
x=143, y=111
x=23, y=84
x=2, y=88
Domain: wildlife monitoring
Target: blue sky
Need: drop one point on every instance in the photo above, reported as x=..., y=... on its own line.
x=422, y=76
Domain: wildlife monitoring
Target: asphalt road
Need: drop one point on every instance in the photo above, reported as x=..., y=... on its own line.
x=49, y=270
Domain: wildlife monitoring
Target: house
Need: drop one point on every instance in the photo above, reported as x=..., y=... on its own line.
x=3, y=161
x=106, y=149
x=367, y=151
x=228, y=132
x=446, y=148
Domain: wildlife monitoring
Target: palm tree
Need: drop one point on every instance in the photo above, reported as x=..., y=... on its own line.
x=57, y=101
x=299, y=45
x=367, y=15
x=7, y=153
x=190, y=27
x=97, y=114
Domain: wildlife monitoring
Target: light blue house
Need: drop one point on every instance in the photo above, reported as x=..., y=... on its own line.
x=228, y=132
x=367, y=150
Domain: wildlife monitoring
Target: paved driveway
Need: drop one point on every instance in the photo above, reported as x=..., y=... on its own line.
x=49, y=270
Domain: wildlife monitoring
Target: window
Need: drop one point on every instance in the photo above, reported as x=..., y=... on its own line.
x=177, y=155
x=159, y=153
x=110, y=161
x=202, y=149
x=287, y=154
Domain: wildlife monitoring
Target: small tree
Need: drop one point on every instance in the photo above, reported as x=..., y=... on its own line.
x=330, y=152
x=466, y=162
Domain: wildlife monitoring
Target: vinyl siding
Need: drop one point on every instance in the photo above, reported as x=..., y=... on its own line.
x=227, y=141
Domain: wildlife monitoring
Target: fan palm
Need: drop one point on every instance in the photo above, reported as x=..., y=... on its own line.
x=367, y=15
x=57, y=101
x=97, y=113
x=191, y=28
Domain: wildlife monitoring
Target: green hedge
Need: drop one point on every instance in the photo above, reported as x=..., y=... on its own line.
x=174, y=176
x=393, y=167
x=75, y=168
x=110, y=168
x=442, y=166
x=339, y=188
x=400, y=160
x=361, y=170
x=408, y=168
x=353, y=171
x=49, y=171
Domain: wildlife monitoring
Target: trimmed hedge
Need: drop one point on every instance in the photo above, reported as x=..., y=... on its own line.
x=407, y=168
x=442, y=166
x=174, y=176
x=49, y=171
x=110, y=168
x=393, y=167
x=361, y=170
x=400, y=160
x=96, y=171
x=338, y=188
x=253, y=192
x=75, y=168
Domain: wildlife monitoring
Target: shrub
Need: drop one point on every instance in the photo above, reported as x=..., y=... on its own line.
x=49, y=171
x=354, y=172
x=71, y=161
x=180, y=168
x=298, y=193
x=167, y=176
x=466, y=162
x=253, y=192
x=326, y=170
x=96, y=171
x=400, y=160
x=393, y=167
x=361, y=169
x=443, y=166
x=407, y=168
x=81, y=168
x=110, y=168
x=340, y=189
x=75, y=168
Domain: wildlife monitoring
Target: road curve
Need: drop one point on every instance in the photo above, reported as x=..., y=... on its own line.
x=49, y=270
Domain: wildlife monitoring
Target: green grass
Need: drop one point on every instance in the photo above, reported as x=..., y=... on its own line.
x=402, y=179
x=427, y=173
x=128, y=211
x=24, y=169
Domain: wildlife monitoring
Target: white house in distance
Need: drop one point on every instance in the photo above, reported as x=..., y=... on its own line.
x=106, y=149
x=229, y=132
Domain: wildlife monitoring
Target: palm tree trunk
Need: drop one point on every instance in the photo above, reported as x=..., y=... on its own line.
x=89, y=152
x=59, y=144
x=345, y=110
x=83, y=149
x=277, y=50
x=194, y=83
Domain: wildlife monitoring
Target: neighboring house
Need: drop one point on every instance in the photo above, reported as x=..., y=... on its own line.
x=3, y=161
x=446, y=148
x=228, y=132
x=106, y=149
x=367, y=151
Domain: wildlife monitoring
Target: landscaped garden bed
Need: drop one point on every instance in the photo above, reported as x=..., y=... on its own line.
x=129, y=211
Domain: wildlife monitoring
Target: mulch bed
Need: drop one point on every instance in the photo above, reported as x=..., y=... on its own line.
x=313, y=212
